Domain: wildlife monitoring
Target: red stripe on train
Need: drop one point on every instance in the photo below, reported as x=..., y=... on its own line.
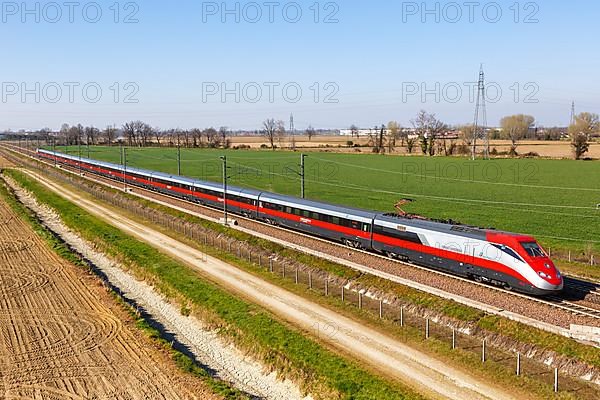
x=317, y=223
x=459, y=257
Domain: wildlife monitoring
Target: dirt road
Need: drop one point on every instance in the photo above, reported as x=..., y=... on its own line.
x=62, y=336
x=425, y=373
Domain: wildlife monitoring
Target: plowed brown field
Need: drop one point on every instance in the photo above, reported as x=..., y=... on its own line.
x=62, y=336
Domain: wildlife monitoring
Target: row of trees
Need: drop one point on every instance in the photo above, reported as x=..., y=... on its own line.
x=435, y=137
x=141, y=134
x=428, y=133
x=274, y=131
x=581, y=131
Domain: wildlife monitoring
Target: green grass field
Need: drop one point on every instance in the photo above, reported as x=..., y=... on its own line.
x=554, y=200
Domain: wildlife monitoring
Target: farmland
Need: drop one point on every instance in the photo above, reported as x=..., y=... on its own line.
x=555, y=200
x=61, y=334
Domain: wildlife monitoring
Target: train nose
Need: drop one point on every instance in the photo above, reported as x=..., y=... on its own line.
x=548, y=271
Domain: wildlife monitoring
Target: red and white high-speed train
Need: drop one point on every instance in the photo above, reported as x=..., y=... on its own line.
x=504, y=259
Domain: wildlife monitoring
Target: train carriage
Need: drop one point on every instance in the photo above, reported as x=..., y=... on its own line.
x=505, y=259
x=342, y=224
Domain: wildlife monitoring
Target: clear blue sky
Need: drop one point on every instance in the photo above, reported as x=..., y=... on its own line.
x=370, y=54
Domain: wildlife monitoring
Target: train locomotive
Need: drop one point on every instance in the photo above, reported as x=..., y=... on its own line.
x=513, y=261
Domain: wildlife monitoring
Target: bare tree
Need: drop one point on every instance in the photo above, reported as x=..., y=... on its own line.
x=354, y=131
x=146, y=134
x=428, y=129
x=63, y=134
x=196, y=135
x=380, y=141
x=212, y=137
x=269, y=131
x=44, y=134
x=224, y=133
x=109, y=134
x=393, y=133
x=129, y=132
x=75, y=135
x=281, y=133
x=581, y=130
x=515, y=128
x=466, y=134
x=187, y=136
x=310, y=132
x=91, y=135
x=159, y=135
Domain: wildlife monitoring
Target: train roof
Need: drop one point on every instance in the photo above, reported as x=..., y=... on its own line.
x=175, y=178
x=317, y=206
x=233, y=190
x=442, y=227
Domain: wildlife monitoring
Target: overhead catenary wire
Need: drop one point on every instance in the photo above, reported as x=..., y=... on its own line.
x=457, y=199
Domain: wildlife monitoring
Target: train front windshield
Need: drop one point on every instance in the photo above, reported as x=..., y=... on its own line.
x=534, y=249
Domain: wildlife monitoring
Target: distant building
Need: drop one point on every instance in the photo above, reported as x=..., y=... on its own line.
x=361, y=132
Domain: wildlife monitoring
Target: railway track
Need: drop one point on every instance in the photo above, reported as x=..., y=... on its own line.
x=555, y=302
x=582, y=286
x=575, y=308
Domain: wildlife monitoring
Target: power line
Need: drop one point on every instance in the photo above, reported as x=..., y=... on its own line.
x=354, y=187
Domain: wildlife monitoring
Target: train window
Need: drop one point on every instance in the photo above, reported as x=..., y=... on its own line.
x=306, y=213
x=366, y=227
x=508, y=251
x=394, y=233
x=533, y=249
x=289, y=210
x=335, y=220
